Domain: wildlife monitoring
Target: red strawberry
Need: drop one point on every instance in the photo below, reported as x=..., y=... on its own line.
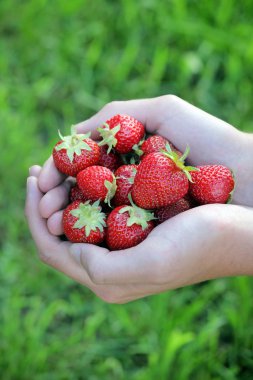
x=154, y=144
x=161, y=179
x=128, y=226
x=192, y=202
x=121, y=132
x=75, y=153
x=168, y=212
x=212, y=184
x=84, y=222
x=110, y=160
x=124, y=178
x=97, y=182
x=76, y=194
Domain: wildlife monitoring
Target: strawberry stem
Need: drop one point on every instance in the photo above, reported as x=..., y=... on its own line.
x=180, y=161
x=111, y=187
x=108, y=136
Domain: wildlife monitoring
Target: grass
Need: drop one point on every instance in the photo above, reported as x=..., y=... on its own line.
x=59, y=63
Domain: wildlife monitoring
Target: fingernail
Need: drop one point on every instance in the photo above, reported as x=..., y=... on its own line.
x=30, y=184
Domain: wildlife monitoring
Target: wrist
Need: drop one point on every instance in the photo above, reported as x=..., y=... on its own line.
x=228, y=249
x=235, y=241
x=242, y=166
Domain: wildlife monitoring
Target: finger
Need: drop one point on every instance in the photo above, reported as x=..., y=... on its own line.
x=117, y=291
x=185, y=124
x=54, y=223
x=144, y=110
x=52, y=251
x=35, y=171
x=67, y=257
x=180, y=122
x=36, y=223
x=55, y=199
x=111, y=293
x=141, y=109
x=50, y=176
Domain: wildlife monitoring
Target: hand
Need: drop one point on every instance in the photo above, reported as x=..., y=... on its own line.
x=197, y=245
x=211, y=140
x=186, y=249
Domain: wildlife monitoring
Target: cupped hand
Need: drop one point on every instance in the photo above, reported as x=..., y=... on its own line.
x=192, y=247
x=189, y=248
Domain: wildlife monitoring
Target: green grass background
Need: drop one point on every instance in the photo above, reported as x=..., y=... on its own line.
x=61, y=61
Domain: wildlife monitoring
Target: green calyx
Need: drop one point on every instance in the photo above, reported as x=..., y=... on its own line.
x=111, y=190
x=131, y=179
x=74, y=143
x=90, y=217
x=137, y=148
x=179, y=161
x=137, y=215
x=108, y=136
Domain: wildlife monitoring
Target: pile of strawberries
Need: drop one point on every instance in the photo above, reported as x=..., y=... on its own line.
x=126, y=185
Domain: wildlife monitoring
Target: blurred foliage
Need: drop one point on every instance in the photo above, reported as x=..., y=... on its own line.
x=60, y=62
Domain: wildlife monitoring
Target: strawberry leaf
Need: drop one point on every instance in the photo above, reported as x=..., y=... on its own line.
x=137, y=215
x=111, y=190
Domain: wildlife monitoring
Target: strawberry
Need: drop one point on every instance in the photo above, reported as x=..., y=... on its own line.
x=110, y=160
x=128, y=226
x=84, y=222
x=167, y=212
x=74, y=153
x=97, y=182
x=121, y=132
x=124, y=179
x=212, y=184
x=154, y=144
x=192, y=202
x=76, y=194
x=161, y=179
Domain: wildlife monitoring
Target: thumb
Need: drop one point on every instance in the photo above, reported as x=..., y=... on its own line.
x=90, y=257
x=132, y=265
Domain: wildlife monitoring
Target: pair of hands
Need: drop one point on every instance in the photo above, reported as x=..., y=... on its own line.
x=200, y=244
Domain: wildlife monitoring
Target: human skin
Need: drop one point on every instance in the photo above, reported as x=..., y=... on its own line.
x=203, y=243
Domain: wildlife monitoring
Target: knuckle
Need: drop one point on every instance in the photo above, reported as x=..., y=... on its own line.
x=111, y=106
x=169, y=105
x=171, y=99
